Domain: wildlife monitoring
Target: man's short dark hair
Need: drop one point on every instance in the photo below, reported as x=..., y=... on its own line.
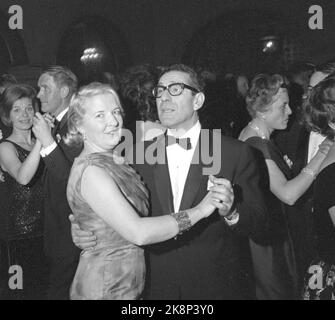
x=326, y=67
x=63, y=77
x=196, y=79
x=6, y=80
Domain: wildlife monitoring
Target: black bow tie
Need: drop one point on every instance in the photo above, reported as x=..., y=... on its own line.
x=183, y=142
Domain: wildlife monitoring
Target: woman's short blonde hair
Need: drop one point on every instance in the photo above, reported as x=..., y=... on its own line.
x=262, y=90
x=77, y=109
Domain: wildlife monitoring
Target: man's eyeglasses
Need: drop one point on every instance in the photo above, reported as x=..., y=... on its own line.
x=175, y=89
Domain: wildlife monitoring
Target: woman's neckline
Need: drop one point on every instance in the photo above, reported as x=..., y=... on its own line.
x=259, y=132
x=17, y=144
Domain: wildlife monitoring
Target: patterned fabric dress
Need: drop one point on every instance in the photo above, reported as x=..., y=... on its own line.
x=115, y=269
x=21, y=230
x=25, y=203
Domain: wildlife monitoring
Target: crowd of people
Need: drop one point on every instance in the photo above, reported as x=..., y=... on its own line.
x=226, y=193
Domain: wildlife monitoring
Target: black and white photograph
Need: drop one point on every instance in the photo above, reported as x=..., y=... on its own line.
x=167, y=150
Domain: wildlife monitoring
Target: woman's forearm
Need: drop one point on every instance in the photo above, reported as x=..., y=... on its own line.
x=29, y=166
x=157, y=229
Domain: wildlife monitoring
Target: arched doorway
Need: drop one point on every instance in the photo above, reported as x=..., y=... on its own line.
x=93, y=48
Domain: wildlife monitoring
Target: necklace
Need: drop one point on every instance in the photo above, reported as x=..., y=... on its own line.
x=258, y=130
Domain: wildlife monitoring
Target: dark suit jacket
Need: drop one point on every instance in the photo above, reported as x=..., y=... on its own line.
x=57, y=235
x=208, y=261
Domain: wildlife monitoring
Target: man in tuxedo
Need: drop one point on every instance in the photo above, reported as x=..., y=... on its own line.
x=56, y=87
x=211, y=260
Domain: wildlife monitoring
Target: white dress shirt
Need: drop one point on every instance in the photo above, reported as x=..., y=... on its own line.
x=315, y=139
x=47, y=150
x=179, y=161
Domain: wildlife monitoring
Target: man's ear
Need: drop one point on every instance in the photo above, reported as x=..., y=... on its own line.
x=199, y=101
x=64, y=92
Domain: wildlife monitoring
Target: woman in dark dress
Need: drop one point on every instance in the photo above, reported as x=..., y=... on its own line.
x=320, y=115
x=274, y=262
x=22, y=210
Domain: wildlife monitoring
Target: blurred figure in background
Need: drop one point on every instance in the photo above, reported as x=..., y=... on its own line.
x=242, y=85
x=211, y=114
x=274, y=263
x=236, y=113
x=5, y=81
x=299, y=74
x=141, y=117
x=320, y=116
x=300, y=144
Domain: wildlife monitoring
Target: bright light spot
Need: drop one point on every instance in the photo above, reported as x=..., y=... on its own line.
x=269, y=44
x=90, y=55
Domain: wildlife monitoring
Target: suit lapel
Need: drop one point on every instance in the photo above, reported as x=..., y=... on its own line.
x=193, y=180
x=162, y=181
x=62, y=123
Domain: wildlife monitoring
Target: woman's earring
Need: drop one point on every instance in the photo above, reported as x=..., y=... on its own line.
x=84, y=135
x=331, y=125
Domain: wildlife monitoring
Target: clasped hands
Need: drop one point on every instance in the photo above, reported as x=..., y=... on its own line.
x=42, y=125
x=221, y=191
x=325, y=146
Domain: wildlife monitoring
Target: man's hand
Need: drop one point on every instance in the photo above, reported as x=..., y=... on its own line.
x=224, y=187
x=84, y=240
x=42, y=130
x=325, y=146
x=50, y=119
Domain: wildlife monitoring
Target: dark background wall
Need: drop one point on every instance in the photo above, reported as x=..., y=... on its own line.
x=164, y=31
